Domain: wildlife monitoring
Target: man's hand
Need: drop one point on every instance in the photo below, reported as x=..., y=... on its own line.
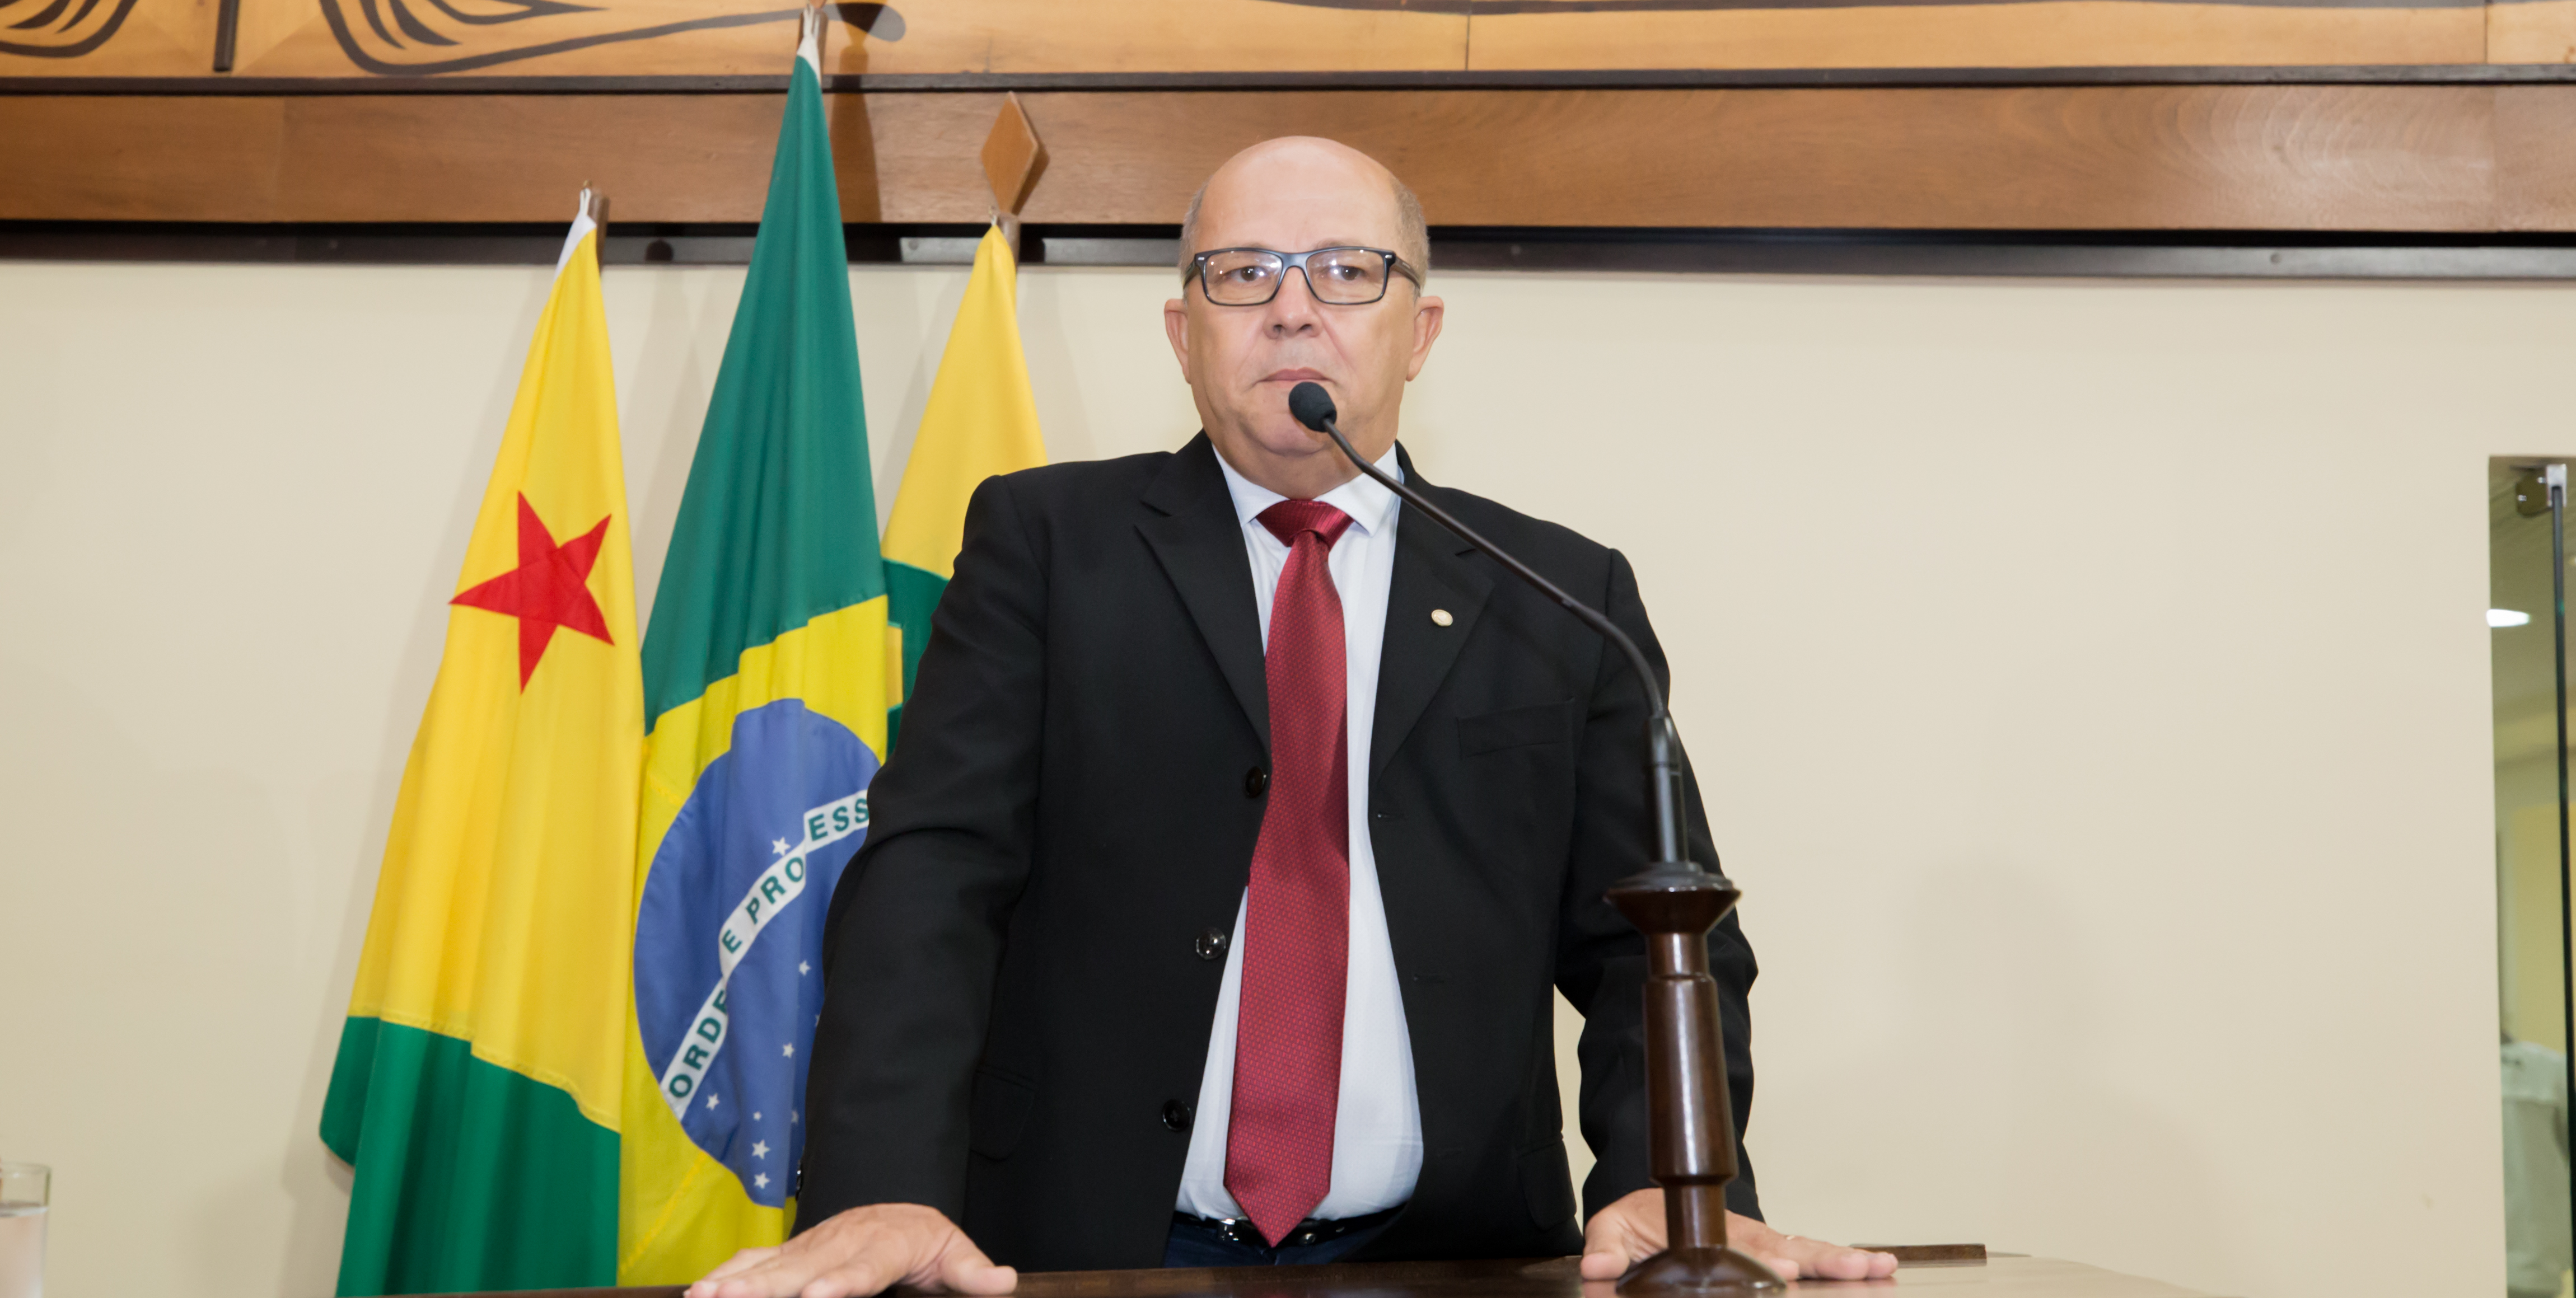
x=862, y=1252
x=1632, y=1229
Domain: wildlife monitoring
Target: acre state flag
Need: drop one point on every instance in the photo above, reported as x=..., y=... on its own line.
x=765, y=671
x=476, y=1094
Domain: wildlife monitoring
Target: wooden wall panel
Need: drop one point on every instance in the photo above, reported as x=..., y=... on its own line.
x=2535, y=160
x=303, y=38
x=85, y=158
x=401, y=42
x=924, y=156
x=521, y=157
x=2130, y=157
x=2531, y=31
x=112, y=38
x=2042, y=34
x=2388, y=158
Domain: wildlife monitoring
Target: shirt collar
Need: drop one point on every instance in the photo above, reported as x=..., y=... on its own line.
x=1370, y=505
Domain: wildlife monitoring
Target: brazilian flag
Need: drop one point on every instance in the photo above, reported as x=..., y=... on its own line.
x=765, y=683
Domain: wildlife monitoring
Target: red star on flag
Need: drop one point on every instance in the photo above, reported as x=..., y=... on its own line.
x=550, y=588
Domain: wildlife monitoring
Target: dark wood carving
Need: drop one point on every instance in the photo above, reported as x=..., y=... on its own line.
x=413, y=41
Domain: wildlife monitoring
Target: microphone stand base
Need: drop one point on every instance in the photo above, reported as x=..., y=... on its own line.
x=1690, y=1120
x=1698, y=1271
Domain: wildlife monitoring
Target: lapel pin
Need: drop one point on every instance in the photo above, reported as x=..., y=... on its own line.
x=1440, y=617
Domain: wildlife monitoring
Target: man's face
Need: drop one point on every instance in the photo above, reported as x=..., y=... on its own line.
x=1293, y=196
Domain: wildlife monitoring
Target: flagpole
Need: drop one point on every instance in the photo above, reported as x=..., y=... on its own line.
x=596, y=204
x=2556, y=477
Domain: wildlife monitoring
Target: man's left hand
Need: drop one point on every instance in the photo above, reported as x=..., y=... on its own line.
x=1632, y=1230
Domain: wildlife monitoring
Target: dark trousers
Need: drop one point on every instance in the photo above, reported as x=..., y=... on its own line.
x=1195, y=1244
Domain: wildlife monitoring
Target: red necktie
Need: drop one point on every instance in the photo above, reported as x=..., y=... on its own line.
x=1288, y=1041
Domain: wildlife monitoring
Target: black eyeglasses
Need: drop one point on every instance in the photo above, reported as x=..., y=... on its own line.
x=1336, y=276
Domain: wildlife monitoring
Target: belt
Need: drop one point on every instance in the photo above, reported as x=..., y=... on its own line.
x=1308, y=1232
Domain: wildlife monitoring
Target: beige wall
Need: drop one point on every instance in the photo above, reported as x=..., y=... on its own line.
x=2088, y=680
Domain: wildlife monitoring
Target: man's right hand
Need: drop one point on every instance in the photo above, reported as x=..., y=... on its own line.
x=861, y=1252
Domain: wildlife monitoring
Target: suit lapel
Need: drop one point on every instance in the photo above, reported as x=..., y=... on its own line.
x=1191, y=526
x=1432, y=571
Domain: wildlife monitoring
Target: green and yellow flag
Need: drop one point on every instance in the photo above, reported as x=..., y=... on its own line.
x=980, y=421
x=766, y=680
x=476, y=1094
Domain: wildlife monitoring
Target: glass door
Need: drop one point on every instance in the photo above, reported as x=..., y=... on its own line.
x=2526, y=617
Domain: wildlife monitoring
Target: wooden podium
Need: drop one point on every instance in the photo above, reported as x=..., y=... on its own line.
x=2000, y=1277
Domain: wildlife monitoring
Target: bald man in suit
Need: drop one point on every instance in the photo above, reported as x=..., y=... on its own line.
x=1242, y=827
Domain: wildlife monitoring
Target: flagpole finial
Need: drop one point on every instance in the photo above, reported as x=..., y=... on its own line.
x=809, y=35
x=589, y=217
x=1013, y=158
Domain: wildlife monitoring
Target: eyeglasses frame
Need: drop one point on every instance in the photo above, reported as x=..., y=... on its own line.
x=1297, y=261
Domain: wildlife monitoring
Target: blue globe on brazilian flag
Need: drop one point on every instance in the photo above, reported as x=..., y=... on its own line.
x=731, y=1012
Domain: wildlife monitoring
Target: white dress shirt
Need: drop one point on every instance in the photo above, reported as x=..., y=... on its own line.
x=1377, y=1127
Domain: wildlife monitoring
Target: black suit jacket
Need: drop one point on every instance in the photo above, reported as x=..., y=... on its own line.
x=1018, y=999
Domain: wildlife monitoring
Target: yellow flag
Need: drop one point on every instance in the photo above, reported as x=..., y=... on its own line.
x=477, y=1089
x=980, y=421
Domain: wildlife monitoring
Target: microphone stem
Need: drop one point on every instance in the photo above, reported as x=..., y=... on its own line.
x=1663, y=743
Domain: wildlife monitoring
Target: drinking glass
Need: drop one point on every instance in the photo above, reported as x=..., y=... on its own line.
x=23, y=1196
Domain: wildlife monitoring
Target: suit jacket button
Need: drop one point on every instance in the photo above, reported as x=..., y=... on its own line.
x=1254, y=781
x=1176, y=1115
x=1211, y=944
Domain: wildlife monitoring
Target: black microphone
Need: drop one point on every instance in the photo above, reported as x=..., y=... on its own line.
x=1312, y=406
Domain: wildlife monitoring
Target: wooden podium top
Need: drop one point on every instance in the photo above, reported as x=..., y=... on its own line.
x=2001, y=1277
